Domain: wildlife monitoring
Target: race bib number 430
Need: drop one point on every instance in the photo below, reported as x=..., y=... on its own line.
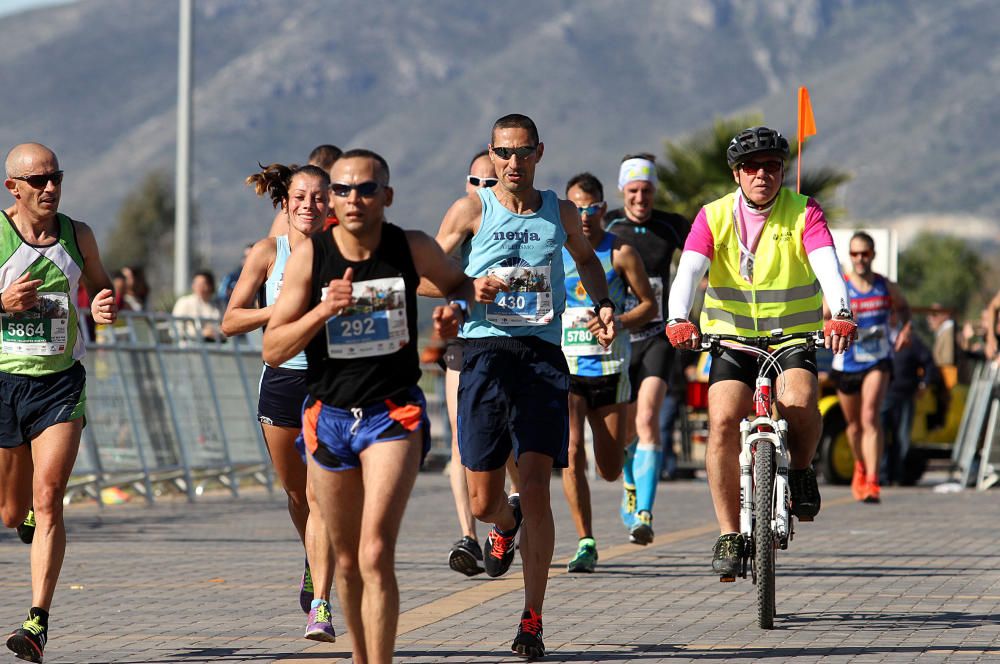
x=39, y=331
x=374, y=324
x=529, y=301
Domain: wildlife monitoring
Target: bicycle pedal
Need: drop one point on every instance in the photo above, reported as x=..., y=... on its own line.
x=804, y=519
x=727, y=579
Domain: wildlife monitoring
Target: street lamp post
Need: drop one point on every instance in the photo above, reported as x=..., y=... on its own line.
x=182, y=193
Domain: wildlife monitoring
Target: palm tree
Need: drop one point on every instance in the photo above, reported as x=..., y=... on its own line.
x=696, y=172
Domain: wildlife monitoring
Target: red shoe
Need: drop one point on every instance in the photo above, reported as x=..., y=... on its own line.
x=872, y=492
x=859, y=482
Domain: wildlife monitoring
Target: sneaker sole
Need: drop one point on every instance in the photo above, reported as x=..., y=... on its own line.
x=464, y=562
x=24, y=649
x=26, y=533
x=642, y=535
x=577, y=569
x=320, y=635
x=531, y=652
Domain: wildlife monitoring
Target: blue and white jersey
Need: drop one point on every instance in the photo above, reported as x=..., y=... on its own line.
x=584, y=354
x=871, y=312
x=273, y=286
x=525, y=251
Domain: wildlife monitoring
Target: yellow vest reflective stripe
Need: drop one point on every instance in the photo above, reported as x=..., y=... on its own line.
x=784, y=293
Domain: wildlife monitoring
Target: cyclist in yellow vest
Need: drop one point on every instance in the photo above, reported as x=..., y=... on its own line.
x=773, y=262
x=42, y=395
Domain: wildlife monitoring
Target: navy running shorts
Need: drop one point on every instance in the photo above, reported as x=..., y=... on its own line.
x=282, y=393
x=512, y=396
x=601, y=391
x=453, y=354
x=732, y=364
x=650, y=357
x=335, y=437
x=31, y=404
x=849, y=382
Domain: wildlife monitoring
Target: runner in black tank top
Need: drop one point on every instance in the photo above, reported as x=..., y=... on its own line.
x=349, y=300
x=656, y=236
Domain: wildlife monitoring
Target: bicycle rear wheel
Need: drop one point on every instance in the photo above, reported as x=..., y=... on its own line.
x=763, y=533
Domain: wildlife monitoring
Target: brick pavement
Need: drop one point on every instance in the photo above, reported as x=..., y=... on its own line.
x=915, y=579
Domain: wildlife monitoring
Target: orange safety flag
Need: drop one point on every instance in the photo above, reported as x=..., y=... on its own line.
x=807, y=124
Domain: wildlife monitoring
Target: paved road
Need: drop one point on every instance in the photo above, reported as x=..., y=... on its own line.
x=915, y=579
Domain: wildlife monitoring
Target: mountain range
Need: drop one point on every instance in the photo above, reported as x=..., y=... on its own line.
x=904, y=93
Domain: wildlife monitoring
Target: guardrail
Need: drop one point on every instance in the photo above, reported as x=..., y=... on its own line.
x=976, y=454
x=171, y=410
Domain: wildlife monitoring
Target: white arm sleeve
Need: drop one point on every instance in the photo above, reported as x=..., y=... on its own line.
x=825, y=264
x=690, y=270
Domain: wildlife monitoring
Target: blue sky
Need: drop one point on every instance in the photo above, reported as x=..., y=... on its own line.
x=13, y=6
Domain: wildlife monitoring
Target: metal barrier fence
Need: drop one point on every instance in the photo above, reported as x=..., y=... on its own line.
x=976, y=454
x=171, y=410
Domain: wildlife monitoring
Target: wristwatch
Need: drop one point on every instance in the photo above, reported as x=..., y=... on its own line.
x=844, y=314
x=462, y=305
x=2, y=309
x=602, y=303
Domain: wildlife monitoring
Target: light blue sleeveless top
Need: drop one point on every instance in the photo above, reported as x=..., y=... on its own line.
x=526, y=252
x=273, y=286
x=617, y=359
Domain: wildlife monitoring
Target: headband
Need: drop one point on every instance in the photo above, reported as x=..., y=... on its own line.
x=636, y=169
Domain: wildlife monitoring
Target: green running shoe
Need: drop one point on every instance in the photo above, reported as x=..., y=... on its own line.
x=28, y=642
x=26, y=531
x=586, y=556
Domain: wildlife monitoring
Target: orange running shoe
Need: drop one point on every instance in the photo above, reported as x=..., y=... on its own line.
x=872, y=492
x=859, y=481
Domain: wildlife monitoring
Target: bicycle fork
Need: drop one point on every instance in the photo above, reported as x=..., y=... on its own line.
x=749, y=437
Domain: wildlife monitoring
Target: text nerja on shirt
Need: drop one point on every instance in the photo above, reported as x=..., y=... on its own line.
x=45, y=339
x=368, y=353
x=782, y=293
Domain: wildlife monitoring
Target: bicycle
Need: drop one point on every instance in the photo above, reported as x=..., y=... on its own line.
x=765, y=498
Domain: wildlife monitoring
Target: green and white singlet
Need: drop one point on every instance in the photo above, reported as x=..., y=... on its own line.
x=45, y=339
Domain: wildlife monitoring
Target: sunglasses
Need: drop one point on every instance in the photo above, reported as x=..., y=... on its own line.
x=590, y=210
x=481, y=182
x=861, y=254
x=364, y=189
x=522, y=152
x=752, y=167
x=39, y=181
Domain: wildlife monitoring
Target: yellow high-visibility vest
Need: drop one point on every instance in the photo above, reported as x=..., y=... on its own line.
x=783, y=293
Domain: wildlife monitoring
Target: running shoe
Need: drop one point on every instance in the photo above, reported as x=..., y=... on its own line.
x=28, y=641
x=727, y=555
x=627, y=508
x=26, y=531
x=805, y=493
x=528, y=641
x=499, y=551
x=306, y=590
x=858, y=481
x=873, y=493
x=586, y=556
x=642, y=529
x=466, y=557
x=320, y=625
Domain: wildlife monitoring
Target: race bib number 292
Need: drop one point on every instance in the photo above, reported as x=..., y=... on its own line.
x=374, y=324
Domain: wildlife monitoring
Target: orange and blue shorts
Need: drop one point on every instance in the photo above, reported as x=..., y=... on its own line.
x=336, y=437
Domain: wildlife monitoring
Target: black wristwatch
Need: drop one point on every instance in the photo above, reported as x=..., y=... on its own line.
x=2, y=309
x=844, y=314
x=602, y=303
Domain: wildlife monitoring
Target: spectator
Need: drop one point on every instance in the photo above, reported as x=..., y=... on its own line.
x=946, y=355
x=229, y=281
x=200, y=304
x=913, y=369
x=136, y=288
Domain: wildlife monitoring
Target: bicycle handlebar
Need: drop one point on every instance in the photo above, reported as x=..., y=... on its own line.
x=713, y=341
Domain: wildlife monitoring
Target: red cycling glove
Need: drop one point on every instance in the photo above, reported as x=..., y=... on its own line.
x=681, y=331
x=840, y=326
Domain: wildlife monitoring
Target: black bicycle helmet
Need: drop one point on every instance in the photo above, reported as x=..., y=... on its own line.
x=754, y=140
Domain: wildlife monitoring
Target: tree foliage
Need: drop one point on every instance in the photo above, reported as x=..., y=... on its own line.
x=942, y=269
x=696, y=171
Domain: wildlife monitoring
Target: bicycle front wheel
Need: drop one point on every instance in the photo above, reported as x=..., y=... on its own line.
x=763, y=533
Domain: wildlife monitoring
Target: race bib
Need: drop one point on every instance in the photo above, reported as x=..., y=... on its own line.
x=648, y=330
x=374, y=324
x=529, y=301
x=576, y=337
x=872, y=345
x=39, y=331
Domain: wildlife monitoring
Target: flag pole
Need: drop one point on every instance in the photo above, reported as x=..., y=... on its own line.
x=798, y=159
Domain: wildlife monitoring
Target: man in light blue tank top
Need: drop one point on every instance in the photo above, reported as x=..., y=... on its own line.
x=599, y=387
x=512, y=393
